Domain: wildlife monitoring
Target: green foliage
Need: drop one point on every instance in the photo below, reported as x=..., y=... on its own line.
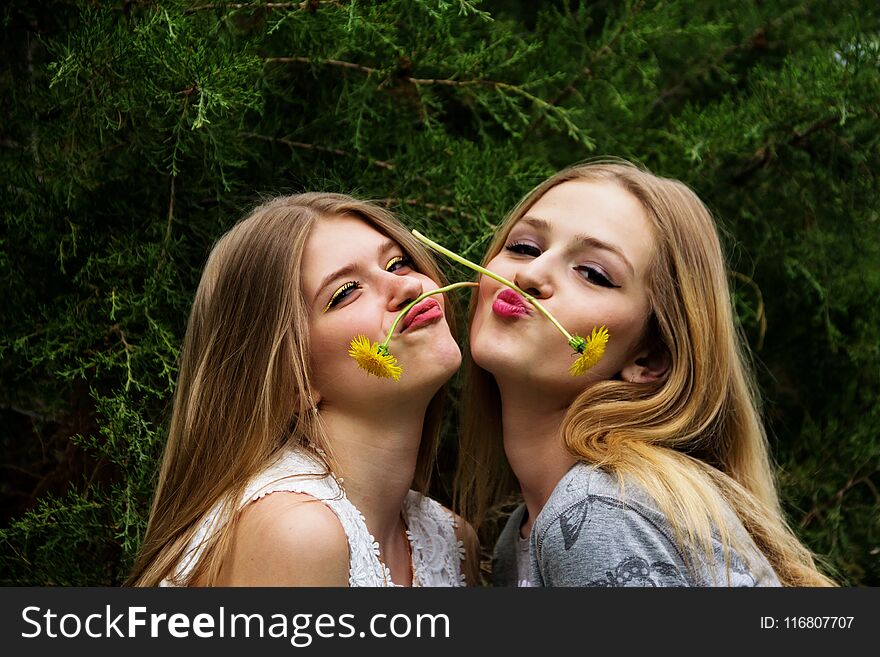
x=134, y=133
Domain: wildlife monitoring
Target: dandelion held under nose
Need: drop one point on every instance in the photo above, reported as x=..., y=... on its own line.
x=590, y=349
x=374, y=358
x=377, y=359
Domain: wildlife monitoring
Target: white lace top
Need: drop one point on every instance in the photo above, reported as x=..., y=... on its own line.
x=437, y=552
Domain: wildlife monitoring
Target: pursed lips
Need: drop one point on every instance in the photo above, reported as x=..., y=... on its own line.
x=427, y=310
x=510, y=304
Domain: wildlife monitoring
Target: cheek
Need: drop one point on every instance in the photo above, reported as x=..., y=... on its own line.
x=489, y=287
x=488, y=290
x=625, y=325
x=329, y=344
x=485, y=295
x=321, y=352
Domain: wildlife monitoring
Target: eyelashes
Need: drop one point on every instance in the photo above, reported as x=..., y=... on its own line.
x=403, y=261
x=341, y=293
x=395, y=264
x=593, y=275
x=524, y=248
x=590, y=274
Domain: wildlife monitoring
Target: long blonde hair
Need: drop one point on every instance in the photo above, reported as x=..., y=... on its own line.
x=694, y=441
x=243, y=388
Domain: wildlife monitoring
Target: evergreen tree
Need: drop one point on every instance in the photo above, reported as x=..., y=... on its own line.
x=135, y=132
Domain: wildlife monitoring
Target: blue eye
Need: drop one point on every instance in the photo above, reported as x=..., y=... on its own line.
x=523, y=248
x=595, y=276
x=341, y=293
x=398, y=262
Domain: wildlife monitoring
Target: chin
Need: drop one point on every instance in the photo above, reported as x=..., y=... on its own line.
x=541, y=372
x=447, y=357
x=491, y=347
x=498, y=359
x=434, y=365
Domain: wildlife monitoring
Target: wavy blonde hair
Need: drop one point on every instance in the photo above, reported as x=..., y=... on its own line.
x=694, y=440
x=243, y=389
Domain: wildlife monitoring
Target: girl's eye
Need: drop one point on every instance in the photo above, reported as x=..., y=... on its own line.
x=595, y=276
x=524, y=248
x=398, y=262
x=341, y=293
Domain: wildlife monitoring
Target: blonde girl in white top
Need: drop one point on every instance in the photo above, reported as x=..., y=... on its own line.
x=285, y=464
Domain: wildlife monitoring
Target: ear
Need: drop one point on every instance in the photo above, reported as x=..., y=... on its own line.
x=649, y=365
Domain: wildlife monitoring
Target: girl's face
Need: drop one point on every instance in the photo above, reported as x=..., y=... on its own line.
x=582, y=250
x=355, y=281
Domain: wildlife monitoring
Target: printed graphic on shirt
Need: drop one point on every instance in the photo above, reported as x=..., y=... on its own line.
x=720, y=570
x=635, y=571
x=571, y=521
x=740, y=575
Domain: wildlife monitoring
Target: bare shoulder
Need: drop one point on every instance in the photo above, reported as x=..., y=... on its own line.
x=287, y=539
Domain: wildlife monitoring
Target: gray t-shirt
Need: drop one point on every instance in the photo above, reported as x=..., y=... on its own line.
x=590, y=534
x=523, y=562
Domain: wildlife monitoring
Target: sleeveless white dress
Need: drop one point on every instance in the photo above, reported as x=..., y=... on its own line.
x=437, y=553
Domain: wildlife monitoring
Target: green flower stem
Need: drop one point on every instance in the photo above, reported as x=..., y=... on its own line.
x=402, y=313
x=577, y=343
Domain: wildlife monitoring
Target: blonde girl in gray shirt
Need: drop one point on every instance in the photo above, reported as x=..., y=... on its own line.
x=652, y=468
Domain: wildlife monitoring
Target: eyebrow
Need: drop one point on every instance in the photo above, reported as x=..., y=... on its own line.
x=587, y=240
x=350, y=268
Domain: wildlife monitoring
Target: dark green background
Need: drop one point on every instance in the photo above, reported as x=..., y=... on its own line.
x=132, y=134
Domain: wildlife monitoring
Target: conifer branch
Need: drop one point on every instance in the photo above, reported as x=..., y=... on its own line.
x=442, y=209
x=548, y=107
x=675, y=89
x=367, y=70
x=604, y=50
x=306, y=4
x=328, y=62
x=837, y=498
x=764, y=155
x=756, y=41
x=128, y=349
x=588, y=69
x=799, y=139
x=321, y=149
x=170, y=219
x=450, y=83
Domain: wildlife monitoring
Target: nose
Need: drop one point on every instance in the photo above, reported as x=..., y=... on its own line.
x=402, y=290
x=534, y=277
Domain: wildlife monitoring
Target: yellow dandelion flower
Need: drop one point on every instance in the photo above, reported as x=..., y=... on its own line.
x=592, y=352
x=589, y=350
x=374, y=358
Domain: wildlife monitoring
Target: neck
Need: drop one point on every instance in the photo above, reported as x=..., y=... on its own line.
x=376, y=458
x=533, y=445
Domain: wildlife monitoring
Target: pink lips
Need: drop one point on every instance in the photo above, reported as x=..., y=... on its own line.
x=510, y=304
x=422, y=313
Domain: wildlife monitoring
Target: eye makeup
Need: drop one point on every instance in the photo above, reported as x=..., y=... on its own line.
x=341, y=293
x=524, y=248
x=583, y=240
x=398, y=260
x=590, y=273
x=594, y=275
x=394, y=264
